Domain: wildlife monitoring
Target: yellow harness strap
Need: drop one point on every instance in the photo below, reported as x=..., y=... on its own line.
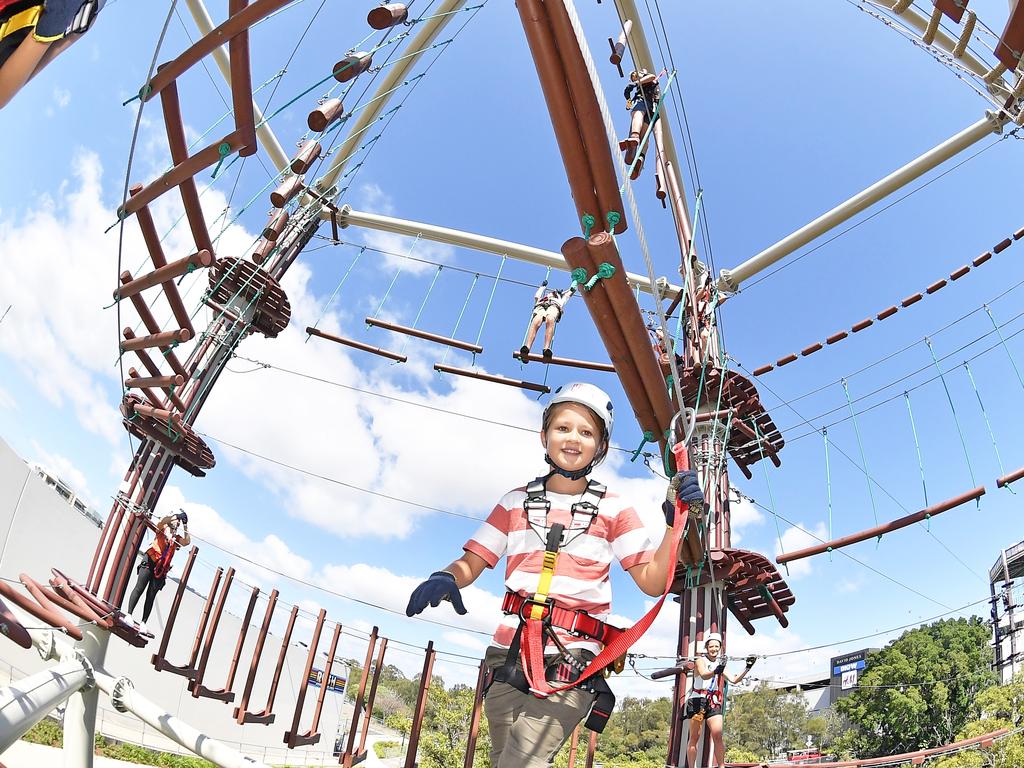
x=547, y=572
x=27, y=18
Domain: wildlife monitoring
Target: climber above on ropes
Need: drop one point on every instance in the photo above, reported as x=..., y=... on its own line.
x=541, y=682
x=157, y=561
x=705, y=702
x=642, y=96
x=32, y=34
x=547, y=310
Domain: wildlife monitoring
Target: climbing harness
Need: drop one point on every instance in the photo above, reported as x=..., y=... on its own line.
x=539, y=615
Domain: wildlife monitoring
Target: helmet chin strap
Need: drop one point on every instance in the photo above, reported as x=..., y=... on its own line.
x=577, y=475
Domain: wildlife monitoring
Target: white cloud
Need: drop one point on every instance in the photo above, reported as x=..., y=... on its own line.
x=7, y=401
x=375, y=200
x=207, y=524
x=61, y=269
x=61, y=97
x=798, y=537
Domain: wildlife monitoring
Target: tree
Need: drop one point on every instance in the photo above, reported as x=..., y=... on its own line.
x=1002, y=706
x=920, y=690
x=766, y=721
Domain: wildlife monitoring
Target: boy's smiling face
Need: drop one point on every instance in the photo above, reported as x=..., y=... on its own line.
x=573, y=436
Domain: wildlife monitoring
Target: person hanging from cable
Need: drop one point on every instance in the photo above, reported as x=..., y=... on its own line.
x=547, y=311
x=559, y=535
x=705, y=704
x=642, y=96
x=156, y=561
x=33, y=33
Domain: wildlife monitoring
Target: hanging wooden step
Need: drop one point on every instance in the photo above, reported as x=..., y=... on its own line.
x=167, y=272
x=568, y=362
x=146, y=315
x=543, y=389
x=357, y=345
x=410, y=331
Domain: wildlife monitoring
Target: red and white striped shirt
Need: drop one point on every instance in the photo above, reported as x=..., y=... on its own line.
x=581, y=574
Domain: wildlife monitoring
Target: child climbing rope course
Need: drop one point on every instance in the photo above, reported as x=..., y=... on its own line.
x=705, y=704
x=559, y=535
x=547, y=310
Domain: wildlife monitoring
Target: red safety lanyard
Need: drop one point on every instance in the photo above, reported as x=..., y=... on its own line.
x=533, y=645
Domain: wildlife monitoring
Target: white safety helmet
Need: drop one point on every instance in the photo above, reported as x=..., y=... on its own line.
x=712, y=637
x=598, y=401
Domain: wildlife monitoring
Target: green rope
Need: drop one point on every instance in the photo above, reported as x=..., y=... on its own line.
x=604, y=272
x=613, y=218
x=828, y=487
x=952, y=408
x=648, y=437
x=917, y=445
x=223, y=150
x=863, y=457
x=458, y=322
x=650, y=127
x=1002, y=341
x=337, y=288
x=490, y=299
x=423, y=305
x=579, y=276
x=588, y=224
x=988, y=424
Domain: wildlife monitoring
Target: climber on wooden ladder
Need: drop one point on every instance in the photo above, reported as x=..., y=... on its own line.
x=548, y=657
x=642, y=96
x=547, y=310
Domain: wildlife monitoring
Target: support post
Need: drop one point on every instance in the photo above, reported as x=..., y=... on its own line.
x=80, y=714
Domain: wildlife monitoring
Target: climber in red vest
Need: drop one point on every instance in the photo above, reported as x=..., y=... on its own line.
x=157, y=561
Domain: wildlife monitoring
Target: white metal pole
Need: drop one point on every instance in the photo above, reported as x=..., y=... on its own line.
x=640, y=50
x=429, y=29
x=125, y=698
x=80, y=715
x=27, y=701
x=731, y=279
x=348, y=217
x=263, y=130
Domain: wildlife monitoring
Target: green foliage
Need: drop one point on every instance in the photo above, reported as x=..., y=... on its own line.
x=950, y=663
x=767, y=721
x=1002, y=706
x=134, y=754
x=46, y=732
x=446, y=729
x=737, y=755
x=387, y=749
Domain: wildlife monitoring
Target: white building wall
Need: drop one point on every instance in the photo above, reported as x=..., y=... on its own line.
x=38, y=529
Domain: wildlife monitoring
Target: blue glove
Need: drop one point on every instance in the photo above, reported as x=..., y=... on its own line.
x=683, y=486
x=440, y=586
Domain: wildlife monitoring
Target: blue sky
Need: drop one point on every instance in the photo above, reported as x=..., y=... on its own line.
x=791, y=109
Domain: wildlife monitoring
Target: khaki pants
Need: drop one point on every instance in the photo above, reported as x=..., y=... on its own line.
x=527, y=732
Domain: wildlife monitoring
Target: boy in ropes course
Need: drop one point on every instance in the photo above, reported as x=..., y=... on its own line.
x=157, y=561
x=33, y=33
x=642, y=96
x=547, y=310
x=559, y=535
x=705, y=705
